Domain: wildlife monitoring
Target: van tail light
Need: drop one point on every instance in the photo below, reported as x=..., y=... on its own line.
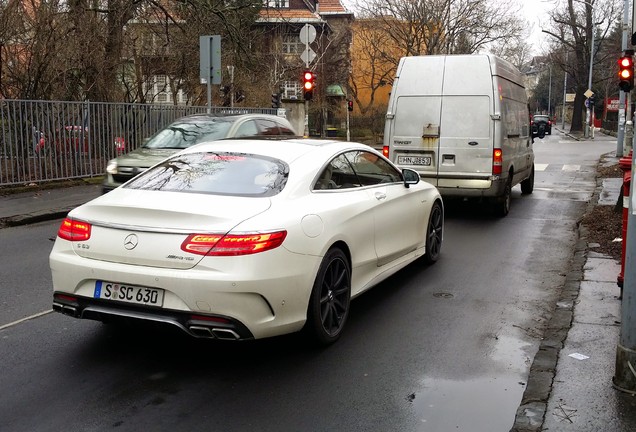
x=497, y=158
x=385, y=151
x=232, y=244
x=74, y=230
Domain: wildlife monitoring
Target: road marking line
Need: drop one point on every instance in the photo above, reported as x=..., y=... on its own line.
x=14, y=323
x=571, y=167
x=540, y=167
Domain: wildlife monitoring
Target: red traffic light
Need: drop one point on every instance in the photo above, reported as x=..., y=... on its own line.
x=626, y=73
x=350, y=105
x=308, y=84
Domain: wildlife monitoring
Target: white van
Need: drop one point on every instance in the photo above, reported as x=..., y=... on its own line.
x=462, y=122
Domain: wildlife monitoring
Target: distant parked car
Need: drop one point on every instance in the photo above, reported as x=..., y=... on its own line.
x=188, y=131
x=540, y=119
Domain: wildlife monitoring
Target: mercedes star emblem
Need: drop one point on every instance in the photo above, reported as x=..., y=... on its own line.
x=130, y=242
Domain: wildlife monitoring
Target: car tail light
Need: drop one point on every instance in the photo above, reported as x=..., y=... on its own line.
x=232, y=244
x=74, y=230
x=385, y=151
x=497, y=158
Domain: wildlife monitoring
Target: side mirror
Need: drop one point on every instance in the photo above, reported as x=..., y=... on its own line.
x=410, y=177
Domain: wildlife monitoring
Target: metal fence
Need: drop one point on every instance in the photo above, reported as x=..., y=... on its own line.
x=53, y=140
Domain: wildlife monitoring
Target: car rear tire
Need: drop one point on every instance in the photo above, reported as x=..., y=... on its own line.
x=527, y=185
x=330, y=298
x=434, y=233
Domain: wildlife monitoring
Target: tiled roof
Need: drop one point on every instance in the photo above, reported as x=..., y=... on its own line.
x=331, y=6
x=271, y=13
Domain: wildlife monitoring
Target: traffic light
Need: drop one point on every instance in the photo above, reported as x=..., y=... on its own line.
x=350, y=105
x=626, y=72
x=276, y=100
x=308, y=84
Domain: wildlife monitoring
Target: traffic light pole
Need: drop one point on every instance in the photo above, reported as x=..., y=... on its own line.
x=306, y=132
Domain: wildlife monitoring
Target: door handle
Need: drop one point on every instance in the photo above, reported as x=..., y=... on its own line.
x=380, y=196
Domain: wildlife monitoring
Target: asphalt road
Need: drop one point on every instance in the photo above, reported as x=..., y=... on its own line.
x=445, y=347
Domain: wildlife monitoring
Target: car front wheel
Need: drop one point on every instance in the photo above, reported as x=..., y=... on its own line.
x=434, y=233
x=330, y=298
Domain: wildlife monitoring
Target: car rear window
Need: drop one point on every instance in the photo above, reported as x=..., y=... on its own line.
x=541, y=118
x=185, y=134
x=215, y=173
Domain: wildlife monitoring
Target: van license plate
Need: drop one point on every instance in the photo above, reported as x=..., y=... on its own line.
x=414, y=160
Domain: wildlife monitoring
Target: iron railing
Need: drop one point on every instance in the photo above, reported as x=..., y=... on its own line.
x=53, y=140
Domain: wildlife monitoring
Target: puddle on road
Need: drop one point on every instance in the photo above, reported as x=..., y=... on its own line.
x=482, y=404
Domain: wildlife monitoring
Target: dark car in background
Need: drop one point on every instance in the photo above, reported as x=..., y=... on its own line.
x=188, y=131
x=541, y=119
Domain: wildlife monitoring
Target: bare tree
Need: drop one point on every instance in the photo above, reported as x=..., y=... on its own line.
x=419, y=27
x=574, y=22
x=387, y=31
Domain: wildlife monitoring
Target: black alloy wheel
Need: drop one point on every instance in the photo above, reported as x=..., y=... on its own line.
x=330, y=298
x=434, y=233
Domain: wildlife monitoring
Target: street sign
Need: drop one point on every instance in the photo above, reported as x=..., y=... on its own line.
x=308, y=56
x=210, y=59
x=307, y=34
x=588, y=93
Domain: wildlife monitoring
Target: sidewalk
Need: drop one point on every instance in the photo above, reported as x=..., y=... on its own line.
x=570, y=382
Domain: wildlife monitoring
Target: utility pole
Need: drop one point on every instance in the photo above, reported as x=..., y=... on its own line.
x=625, y=374
x=565, y=88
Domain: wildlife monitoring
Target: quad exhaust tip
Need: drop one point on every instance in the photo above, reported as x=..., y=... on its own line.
x=65, y=309
x=214, y=333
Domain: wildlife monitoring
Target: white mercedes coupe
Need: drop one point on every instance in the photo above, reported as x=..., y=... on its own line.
x=246, y=239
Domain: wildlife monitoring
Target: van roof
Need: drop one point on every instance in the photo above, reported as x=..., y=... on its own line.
x=498, y=66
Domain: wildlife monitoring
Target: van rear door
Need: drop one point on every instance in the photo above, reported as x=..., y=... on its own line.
x=413, y=120
x=416, y=138
x=466, y=146
x=466, y=142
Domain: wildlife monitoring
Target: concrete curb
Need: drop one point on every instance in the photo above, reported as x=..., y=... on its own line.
x=35, y=217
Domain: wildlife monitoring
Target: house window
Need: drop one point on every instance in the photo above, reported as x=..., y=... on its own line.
x=158, y=89
x=278, y=4
x=291, y=44
x=291, y=90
